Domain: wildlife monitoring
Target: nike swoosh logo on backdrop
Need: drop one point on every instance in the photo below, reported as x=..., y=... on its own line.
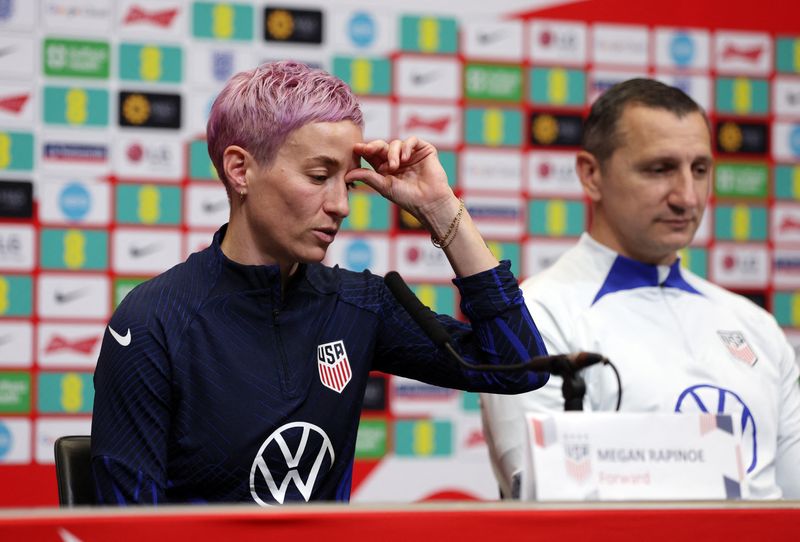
x=213, y=207
x=124, y=340
x=423, y=78
x=5, y=51
x=486, y=38
x=66, y=297
x=146, y=250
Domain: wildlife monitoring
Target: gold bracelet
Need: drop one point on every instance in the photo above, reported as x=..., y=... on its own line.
x=451, y=231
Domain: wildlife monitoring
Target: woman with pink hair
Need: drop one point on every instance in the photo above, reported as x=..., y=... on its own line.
x=239, y=374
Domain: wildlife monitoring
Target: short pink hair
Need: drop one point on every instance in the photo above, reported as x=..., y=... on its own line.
x=259, y=108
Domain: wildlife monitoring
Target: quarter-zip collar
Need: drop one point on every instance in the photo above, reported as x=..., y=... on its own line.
x=239, y=277
x=627, y=274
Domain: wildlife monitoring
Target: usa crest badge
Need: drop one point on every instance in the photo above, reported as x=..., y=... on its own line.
x=577, y=458
x=738, y=346
x=333, y=365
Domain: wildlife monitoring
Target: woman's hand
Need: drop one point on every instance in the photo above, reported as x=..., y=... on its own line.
x=408, y=173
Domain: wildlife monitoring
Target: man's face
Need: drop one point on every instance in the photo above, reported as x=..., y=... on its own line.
x=651, y=193
x=297, y=203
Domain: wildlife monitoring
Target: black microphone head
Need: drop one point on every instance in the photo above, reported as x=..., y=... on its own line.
x=569, y=364
x=582, y=360
x=392, y=279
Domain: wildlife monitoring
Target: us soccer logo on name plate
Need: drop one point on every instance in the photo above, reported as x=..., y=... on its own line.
x=577, y=457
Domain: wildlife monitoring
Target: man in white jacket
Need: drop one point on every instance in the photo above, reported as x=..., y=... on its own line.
x=680, y=343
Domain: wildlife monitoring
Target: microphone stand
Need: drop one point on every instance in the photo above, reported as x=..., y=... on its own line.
x=573, y=387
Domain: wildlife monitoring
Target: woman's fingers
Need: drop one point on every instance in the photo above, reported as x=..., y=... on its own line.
x=391, y=155
x=408, y=147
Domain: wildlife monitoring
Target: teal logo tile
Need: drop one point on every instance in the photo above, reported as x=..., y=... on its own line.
x=423, y=438
x=787, y=182
x=368, y=212
x=366, y=76
x=148, y=204
x=200, y=166
x=65, y=393
x=493, y=127
x=740, y=223
x=150, y=63
x=439, y=298
x=557, y=86
x=222, y=21
x=73, y=249
x=16, y=295
x=742, y=96
x=76, y=106
x=556, y=218
x=506, y=251
x=695, y=259
x=428, y=34
x=16, y=151
x=787, y=55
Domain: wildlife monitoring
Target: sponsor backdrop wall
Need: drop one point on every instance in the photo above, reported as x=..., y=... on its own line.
x=105, y=179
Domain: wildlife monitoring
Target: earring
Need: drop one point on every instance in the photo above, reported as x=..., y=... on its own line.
x=242, y=194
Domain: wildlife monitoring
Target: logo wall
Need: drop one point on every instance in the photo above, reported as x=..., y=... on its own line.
x=105, y=178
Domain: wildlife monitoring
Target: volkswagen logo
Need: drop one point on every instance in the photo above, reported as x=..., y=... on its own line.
x=289, y=463
x=713, y=400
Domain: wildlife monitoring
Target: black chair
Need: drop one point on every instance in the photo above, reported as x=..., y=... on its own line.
x=74, y=471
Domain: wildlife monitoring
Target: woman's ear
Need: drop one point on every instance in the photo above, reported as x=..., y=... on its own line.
x=588, y=169
x=235, y=161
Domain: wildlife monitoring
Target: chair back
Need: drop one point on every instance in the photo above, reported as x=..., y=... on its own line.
x=74, y=471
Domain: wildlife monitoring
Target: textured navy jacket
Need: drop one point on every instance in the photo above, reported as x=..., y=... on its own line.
x=212, y=386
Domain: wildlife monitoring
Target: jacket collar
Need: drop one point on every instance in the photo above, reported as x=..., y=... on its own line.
x=627, y=274
x=248, y=277
x=237, y=276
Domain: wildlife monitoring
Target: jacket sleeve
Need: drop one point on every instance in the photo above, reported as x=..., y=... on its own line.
x=503, y=415
x=501, y=331
x=787, y=455
x=131, y=415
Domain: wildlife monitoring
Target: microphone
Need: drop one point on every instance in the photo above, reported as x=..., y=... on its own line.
x=559, y=364
x=421, y=314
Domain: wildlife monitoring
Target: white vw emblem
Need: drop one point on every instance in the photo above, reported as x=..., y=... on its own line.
x=277, y=452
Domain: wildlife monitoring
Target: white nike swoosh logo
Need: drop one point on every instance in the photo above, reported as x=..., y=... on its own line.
x=124, y=340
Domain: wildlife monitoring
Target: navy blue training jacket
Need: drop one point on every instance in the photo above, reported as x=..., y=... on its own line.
x=212, y=386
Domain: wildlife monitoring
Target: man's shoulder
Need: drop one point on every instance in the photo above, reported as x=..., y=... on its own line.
x=725, y=298
x=576, y=275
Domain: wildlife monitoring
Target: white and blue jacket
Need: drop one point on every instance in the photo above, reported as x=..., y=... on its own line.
x=680, y=343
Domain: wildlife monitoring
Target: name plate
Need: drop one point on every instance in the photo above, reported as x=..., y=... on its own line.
x=632, y=456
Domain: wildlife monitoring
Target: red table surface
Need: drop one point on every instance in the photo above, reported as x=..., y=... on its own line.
x=451, y=522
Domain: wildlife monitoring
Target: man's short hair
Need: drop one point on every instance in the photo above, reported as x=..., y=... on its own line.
x=259, y=108
x=600, y=137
